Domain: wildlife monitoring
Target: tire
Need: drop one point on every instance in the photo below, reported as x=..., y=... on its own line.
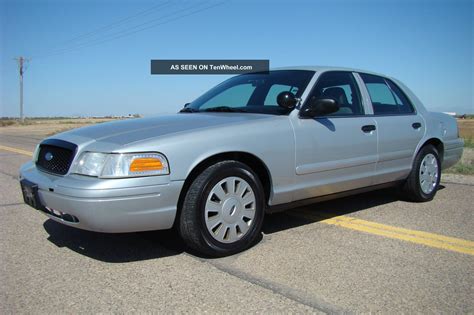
x=223, y=210
x=423, y=181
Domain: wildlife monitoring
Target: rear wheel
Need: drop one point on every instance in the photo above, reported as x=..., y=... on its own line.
x=223, y=209
x=423, y=181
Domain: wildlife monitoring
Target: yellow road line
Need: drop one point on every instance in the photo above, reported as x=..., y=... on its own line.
x=413, y=236
x=19, y=151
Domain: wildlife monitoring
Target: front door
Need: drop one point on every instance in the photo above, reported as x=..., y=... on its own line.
x=337, y=152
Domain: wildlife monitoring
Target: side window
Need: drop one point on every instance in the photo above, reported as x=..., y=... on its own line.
x=275, y=89
x=405, y=106
x=236, y=96
x=386, y=97
x=342, y=87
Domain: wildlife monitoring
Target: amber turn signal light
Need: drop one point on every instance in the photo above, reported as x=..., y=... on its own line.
x=146, y=164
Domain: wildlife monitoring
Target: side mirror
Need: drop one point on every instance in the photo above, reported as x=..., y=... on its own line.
x=287, y=100
x=319, y=107
x=186, y=105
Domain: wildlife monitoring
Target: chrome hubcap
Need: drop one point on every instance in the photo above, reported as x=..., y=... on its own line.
x=230, y=209
x=428, y=173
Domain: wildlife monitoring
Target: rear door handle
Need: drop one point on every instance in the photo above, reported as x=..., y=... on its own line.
x=416, y=125
x=368, y=128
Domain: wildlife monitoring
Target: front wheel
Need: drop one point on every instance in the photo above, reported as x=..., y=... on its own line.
x=223, y=209
x=423, y=181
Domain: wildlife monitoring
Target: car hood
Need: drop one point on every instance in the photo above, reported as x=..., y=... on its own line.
x=124, y=132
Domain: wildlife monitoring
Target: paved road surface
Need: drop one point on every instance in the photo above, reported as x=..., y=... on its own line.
x=370, y=252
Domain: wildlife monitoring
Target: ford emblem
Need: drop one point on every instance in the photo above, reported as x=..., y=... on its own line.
x=48, y=156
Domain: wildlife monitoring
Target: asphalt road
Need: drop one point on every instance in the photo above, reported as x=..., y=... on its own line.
x=368, y=253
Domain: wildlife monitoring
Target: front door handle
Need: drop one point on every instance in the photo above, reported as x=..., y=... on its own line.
x=368, y=128
x=416, y=125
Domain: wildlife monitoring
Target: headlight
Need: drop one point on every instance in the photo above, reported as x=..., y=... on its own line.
x=113, y=165
x=91, y=163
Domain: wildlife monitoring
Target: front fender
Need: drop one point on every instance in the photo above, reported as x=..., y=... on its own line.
x=270, y=140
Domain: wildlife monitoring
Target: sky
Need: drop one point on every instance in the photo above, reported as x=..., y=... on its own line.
x=84, y=63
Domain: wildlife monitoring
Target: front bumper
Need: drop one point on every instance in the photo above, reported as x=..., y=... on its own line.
x=107, y=205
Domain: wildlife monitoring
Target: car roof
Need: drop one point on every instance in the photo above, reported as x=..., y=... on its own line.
x=328, y=68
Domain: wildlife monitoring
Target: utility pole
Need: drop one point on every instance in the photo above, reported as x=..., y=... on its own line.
x=21, y=67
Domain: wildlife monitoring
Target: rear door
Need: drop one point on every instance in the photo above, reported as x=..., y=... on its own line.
x=400, y=128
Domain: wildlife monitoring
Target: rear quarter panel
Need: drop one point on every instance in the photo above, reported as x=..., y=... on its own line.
x=438, y=126
x=445, y=128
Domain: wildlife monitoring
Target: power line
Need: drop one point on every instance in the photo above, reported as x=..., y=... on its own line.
x=104, y=28
x=120, y=22
x=127, y=32
x=135, y=29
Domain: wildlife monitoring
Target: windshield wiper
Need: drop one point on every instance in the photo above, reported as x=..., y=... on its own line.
x=188, y=110
x=225, y=109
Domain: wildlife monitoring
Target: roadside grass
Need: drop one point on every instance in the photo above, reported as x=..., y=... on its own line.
x=15, y=122
x=466, y=165
x=69, y=125
x=469, y=143
x=461, y=168
x=82, y=122
x=7, y=122
x=55, y=125
x=59, y=131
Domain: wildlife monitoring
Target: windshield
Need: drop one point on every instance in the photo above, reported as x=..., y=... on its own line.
x=252, y=93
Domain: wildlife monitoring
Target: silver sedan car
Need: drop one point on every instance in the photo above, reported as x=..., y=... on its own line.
x=256, y=143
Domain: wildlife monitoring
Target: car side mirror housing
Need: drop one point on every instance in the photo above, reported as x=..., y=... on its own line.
x=287, y=100
x=186, y=105
x=319, y=107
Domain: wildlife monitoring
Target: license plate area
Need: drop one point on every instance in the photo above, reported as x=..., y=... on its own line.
x=30, y=194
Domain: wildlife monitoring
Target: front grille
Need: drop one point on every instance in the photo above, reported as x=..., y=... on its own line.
x=55, y=156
